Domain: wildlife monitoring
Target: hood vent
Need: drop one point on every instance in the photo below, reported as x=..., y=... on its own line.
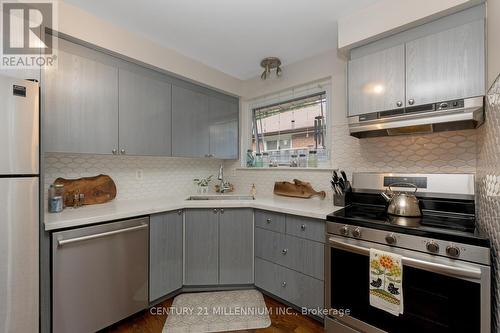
x=438, y=117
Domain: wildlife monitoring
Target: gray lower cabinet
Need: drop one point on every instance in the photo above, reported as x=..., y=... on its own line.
x=289, y=258
x=145, y=114
x=223, y=125
x=165, y=254
x=190, y=118
x=218, y=247
x=80, y=106
x=201, y=266
x=236, y=246
x=292, y=286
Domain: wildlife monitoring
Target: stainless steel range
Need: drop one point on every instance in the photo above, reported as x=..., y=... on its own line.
x=446, y=260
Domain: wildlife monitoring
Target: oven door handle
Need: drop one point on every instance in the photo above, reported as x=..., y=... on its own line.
x=460, y=272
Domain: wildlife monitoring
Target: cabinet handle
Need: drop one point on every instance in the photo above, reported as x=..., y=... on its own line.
x=283, y=284
x=284, y=251
x=411, y=101
x=269, y=221
x=303, y=227
x=114, y=151
x=215, y=211
x=222, y=211
x=122, y=151
x=399, y=104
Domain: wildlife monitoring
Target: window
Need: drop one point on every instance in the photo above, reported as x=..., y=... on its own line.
x=293, y=127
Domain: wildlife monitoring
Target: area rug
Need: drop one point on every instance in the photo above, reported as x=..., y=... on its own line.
x=217, y=311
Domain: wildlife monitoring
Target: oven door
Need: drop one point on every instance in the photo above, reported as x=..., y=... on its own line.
x=440, y=295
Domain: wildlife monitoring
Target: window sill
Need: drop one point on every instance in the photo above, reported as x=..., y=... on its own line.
x=281, y=168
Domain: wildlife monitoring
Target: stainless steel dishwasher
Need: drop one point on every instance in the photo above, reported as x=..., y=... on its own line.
x=100, y=275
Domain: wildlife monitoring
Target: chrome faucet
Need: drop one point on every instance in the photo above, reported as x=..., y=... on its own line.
x=224, y=186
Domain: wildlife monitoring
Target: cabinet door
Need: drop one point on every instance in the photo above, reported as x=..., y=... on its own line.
x=201, y=247
x=447, y=65
x=165, y=254
x=81, y=106
x=377, y=81
x=145, y=115
x=236, y=246
x=223, y=128
x=190, y=134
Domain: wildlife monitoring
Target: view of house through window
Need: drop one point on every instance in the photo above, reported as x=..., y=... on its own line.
x=291, y=128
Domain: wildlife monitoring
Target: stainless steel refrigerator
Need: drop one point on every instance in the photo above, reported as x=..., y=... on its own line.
x=19, y=205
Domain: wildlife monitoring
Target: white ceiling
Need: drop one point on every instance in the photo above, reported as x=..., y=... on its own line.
x=231, y=35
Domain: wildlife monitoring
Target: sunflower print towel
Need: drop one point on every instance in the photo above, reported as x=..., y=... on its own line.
x=386, y=280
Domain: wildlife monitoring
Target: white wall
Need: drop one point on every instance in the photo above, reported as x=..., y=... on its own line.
x=387, y=17
x=85, y=26
x=493, y=27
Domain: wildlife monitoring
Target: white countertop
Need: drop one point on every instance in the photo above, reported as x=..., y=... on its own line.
x=122, y=209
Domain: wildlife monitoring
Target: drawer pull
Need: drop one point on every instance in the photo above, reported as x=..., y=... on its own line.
x=269, y=221
x=303, y=227
x=283, y=284
x=284, y=251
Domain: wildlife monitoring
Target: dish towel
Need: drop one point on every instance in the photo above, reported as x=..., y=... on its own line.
x=386, y=281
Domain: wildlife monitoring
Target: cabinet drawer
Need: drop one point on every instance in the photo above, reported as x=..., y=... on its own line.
x=269, y=277
x=293, y=287
x=304, y=256
x=271, y=246
x=270, y=221
x=306, y=228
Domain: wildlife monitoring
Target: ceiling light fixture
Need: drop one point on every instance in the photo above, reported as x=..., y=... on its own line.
x=269, y=64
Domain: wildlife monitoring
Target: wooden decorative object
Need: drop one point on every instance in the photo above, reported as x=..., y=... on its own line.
x=297, y=189
x=97, y=190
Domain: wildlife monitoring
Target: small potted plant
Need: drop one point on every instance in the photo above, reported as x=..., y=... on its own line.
x=203, y=184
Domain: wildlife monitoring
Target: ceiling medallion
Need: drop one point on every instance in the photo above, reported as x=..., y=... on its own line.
x=269, y=64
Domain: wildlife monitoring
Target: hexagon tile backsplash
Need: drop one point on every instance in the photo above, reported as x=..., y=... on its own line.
x=488, y=187
x=161, y=176
x=445, y=152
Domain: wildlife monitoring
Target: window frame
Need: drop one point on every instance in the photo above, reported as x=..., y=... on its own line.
x=284, y=96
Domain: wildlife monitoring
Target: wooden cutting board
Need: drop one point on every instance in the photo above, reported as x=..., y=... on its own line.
x=97, y=190
x=297, y=189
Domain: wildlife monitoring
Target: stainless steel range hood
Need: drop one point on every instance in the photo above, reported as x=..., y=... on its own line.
x=430, y=118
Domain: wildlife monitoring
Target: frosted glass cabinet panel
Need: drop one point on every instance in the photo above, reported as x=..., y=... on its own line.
x=446, y=65
x=377, y=81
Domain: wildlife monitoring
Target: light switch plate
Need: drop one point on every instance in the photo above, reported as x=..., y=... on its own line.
x=139, y=174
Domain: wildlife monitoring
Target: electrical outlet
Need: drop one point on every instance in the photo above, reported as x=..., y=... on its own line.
x=139, y=174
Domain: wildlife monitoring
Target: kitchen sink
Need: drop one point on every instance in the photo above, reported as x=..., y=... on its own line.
x=220, y=197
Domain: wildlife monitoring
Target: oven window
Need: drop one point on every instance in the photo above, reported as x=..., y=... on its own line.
x=433, y=303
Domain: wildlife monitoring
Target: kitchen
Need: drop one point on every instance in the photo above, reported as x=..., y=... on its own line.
x=350, y=185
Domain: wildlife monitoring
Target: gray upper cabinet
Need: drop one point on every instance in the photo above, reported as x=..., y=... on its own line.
x=201, y=266
x=145, y=114
x=446, y=65
x=165, y=254
x=236, y=246
x=377, y=81
x=81, y=106
x=98, y=103
x=190, y=118
x=223, y=127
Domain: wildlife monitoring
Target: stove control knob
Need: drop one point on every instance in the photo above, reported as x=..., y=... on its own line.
x=391, y=239
x=452, y=251
x=356, y=232
x=344, y=231
x=432, y=247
